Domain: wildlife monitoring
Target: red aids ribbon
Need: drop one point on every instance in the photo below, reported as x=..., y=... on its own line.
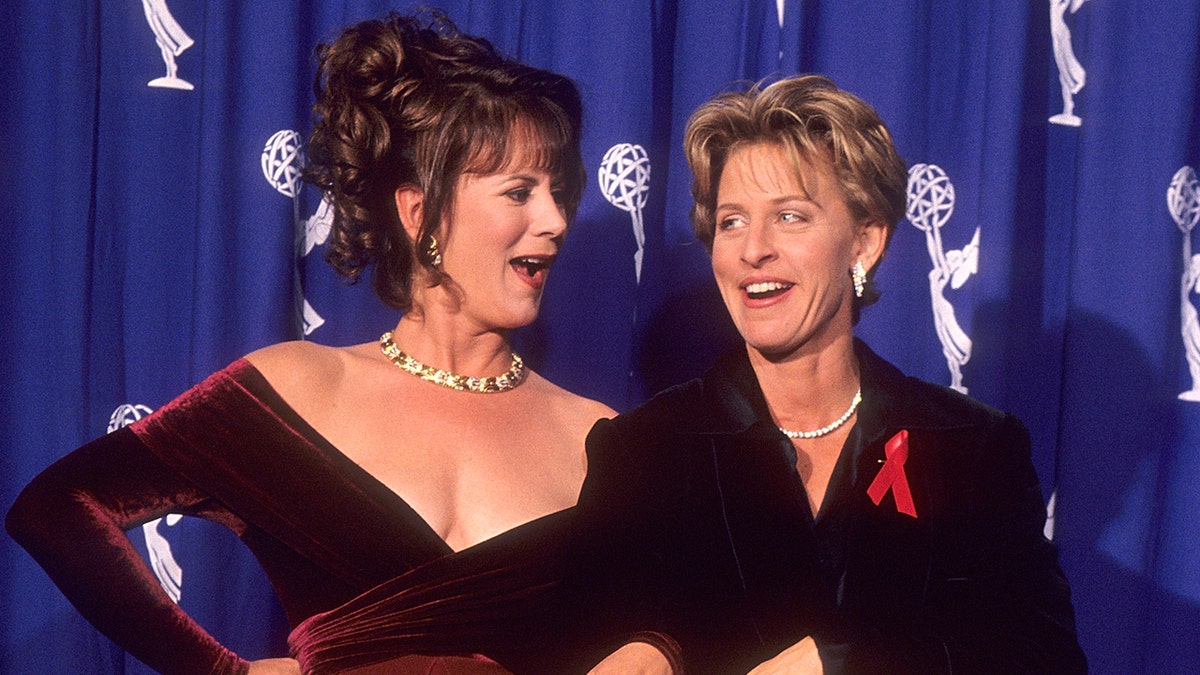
x=892, y=476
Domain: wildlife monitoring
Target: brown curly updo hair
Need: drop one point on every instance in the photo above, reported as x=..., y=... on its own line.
x=410, y=100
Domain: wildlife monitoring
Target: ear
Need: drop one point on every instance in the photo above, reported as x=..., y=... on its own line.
x=410, y=206
x=870, y=243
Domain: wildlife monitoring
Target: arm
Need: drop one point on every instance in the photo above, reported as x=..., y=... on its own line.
x=1033, y=629
x=72, y=519
x=801, y=658
x=611, y=585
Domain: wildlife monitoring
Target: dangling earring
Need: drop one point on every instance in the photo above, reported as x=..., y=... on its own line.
x=859, y=276
x=433, y=255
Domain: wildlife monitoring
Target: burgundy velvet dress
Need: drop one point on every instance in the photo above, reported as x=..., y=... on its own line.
x=385, y=592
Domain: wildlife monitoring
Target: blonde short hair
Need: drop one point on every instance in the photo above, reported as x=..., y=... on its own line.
x=810, y=118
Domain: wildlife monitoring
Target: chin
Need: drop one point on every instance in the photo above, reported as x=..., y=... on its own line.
x=769, y=352
x=521, y=318
x=765, y=338
x=773, y=346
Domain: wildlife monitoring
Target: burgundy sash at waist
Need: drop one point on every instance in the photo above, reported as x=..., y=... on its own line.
x=489, y=603
x=417, y=664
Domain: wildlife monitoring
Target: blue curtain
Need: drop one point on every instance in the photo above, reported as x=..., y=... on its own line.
x=154, y=231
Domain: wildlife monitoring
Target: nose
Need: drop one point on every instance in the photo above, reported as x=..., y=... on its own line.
x=550, y=220
x=757, y=245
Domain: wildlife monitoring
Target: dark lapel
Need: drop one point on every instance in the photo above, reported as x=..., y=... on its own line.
x=872, y=555
x=763, y=512
x=892, y=403
x=884, y=555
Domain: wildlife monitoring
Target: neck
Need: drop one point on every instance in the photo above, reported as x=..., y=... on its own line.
x=808, y=389
x=443, y=342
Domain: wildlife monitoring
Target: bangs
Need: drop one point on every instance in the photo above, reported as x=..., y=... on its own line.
x=811, y=163
x=543, y=142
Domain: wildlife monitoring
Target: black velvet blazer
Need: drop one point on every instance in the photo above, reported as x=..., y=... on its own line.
x=693, y=522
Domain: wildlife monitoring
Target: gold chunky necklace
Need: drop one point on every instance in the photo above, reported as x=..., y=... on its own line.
x=479, y=385
x=817, y=433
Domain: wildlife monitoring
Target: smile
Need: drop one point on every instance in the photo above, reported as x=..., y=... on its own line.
x=765, y=289
x=532, y=268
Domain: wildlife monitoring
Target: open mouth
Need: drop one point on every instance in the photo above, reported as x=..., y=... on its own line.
x=766, y=289
x=533, y=268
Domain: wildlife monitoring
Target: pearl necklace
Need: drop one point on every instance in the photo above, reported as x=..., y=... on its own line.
x=829, y=428
x=445, y=378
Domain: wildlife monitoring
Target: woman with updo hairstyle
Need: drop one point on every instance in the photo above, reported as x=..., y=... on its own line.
x=804, y=507
x=412, y=473
x=401, y=103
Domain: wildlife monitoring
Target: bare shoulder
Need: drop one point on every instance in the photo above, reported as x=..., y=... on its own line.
x=574, y=416
x=574, y=408
x=297, y=358
x=302, y=371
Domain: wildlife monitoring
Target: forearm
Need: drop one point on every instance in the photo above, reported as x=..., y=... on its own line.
x=72, y=519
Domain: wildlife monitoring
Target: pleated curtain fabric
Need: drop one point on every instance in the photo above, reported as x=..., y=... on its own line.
x=154, y=229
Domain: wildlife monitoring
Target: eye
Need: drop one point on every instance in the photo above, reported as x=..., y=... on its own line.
x=793, y=219
x=519, y=195
x=560, y=195
x=729, y=223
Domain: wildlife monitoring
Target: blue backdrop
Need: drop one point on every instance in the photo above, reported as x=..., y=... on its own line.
x=153, y=230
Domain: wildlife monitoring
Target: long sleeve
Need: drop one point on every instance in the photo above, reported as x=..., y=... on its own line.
x=609, y=588
x=1034, y=626
x=613, y=584
x=72, y=519
x=695, y=526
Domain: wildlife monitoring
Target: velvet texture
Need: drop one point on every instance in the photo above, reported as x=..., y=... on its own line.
x=493, y=598
x=72, y=519
x=230, y=450
x=693, y=521
x=415, y=664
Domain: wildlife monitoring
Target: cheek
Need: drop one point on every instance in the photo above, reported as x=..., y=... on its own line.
x=825, y=258
x=722, y=264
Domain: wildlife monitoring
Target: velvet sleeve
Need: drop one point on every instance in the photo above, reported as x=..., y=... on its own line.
x=612, y=584
x=1024, y=585
x=1010, y=610
x=72, y=519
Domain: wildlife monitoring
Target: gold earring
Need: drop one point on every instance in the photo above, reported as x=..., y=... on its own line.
x=433, y=255
x=859, y=276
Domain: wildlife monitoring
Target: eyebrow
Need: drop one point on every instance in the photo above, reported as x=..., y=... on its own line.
x=776, y=201
x=523, y=177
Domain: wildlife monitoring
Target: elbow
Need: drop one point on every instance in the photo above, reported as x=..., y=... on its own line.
x=39, y=514
x=27, y=517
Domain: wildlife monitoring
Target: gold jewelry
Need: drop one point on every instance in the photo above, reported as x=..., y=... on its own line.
x=859, y=276
x=829, y=428
x=433, y=254
x=445, y=378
